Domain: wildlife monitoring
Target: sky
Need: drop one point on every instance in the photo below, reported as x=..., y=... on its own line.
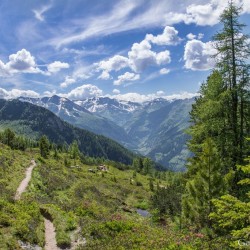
x=135, y=50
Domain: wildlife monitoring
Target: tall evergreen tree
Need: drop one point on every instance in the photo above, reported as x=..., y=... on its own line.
x=233, y=50
x=220, y=123
x=44, y=146
x=207, y=183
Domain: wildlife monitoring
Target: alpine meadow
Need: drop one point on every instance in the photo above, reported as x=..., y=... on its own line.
x=125, y=125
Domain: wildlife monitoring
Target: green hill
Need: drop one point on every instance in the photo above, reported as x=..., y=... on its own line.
x=98, y=207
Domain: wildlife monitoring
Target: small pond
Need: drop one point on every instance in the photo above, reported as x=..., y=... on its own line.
x=143, y=213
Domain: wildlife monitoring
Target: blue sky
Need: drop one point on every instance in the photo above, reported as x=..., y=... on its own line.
x=128, y=49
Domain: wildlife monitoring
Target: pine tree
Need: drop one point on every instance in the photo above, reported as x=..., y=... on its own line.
x=206, y=183
x=74, y=150
x=231, y=216
x=44, y=146
x=233, y=51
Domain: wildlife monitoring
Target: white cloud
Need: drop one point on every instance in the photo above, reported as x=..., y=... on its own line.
x=198, y=55
x=68, y=81
x=200, y=36
x=168, y=37
x=49, y=93
x=141, y=56
x=136, y=97
x=126, y=77
x=57, y=66
x=127, y=15
x=116, y=91
x=114, y=63
x=191, y=36
x=83, y=92
x=164, y=71
x=22, y=61
x=104, y=75
x=163, y=57
x=14, y=93
x=39, y=12
x=3, y=70
x=160, y=93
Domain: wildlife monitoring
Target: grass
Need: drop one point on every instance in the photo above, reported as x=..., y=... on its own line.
x=102, y=204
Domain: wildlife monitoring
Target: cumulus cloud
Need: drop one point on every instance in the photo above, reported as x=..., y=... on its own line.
x=14, y=93
x=104, y=75
x=164, y=71
x=141, y=56
x=126, y=77
x=116, y=91
x=115, y=63
x=68, y=81
x=22, y=61
x=57, y=66
x=198, y=55
x=49, y=93
x=163, y=57
x=168, y=37
x=136, y=97
x=83, y=92
x=200, y=36
x=191, y=36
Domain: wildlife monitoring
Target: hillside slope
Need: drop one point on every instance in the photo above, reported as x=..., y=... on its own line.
x=159, y=131
x=78, y=116
x=26, y=118
x=99, y=208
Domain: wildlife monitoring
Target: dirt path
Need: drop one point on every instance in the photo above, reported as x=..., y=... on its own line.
x=50, y=235
x=23, y=185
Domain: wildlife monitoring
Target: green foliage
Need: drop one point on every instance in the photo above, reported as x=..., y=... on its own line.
x=167, y=200
x=34, y=121
x=231, y=215
x=206, y=183
x=44, y=146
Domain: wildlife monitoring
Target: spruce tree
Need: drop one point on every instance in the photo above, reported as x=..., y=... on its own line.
x=207, y=183
x=44, y=146
x=233, y=51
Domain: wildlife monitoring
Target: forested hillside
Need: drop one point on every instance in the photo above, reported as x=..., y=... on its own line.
x=33, y=121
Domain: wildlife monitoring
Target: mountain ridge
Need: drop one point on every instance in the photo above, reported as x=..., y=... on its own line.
x=28, y=118
x=154, y=128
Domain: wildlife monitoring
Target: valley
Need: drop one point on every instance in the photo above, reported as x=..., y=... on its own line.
x=156, y=129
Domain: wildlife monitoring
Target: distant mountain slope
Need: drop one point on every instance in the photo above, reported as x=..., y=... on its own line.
x=30, y=119
x=112, y=109
x=81, y=117
x=159, y=130
x=157, y=127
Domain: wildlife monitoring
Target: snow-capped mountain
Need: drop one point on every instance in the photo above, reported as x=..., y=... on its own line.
x=112, y=109
x=58, y=105
x=153, y=128
x=80, y=117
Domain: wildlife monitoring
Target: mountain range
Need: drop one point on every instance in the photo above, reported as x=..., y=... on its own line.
x=155, y=128
x=34, y=121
